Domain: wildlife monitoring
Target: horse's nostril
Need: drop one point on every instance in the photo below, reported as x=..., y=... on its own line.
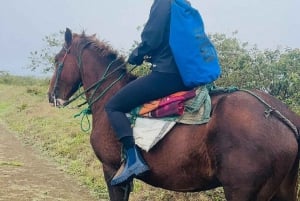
x=51, y=98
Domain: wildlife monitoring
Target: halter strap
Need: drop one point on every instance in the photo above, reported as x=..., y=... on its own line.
x=58, y=74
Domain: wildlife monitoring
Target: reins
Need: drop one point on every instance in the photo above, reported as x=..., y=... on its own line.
x=93, y=98
x=98, y=84
x=95, y=86
x=87, y=111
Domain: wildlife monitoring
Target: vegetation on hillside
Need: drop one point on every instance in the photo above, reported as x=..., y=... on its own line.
x=274, y=71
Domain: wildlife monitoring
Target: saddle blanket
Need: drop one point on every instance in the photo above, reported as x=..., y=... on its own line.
x=172, y=105
x=149, y=131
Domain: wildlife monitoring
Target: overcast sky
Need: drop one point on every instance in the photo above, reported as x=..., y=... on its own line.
x=23, y=24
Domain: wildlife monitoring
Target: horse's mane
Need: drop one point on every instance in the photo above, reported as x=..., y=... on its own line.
x=103, y=48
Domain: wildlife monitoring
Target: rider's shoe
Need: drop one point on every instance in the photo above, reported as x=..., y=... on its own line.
x=133, y=167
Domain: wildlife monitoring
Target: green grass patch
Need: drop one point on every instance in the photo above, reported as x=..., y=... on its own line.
x=15, y=80
x=11, y=163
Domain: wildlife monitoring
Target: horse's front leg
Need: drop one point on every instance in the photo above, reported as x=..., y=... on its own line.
x=117, y=193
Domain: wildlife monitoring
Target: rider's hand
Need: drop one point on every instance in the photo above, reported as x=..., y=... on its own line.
x=135, y=59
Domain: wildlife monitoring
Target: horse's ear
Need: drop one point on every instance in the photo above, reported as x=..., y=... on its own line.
x=94, y=36
x=68, y=36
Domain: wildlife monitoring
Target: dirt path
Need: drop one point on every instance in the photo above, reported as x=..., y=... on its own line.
x=26, y=176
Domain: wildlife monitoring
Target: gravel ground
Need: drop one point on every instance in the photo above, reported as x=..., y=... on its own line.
x=25, y=175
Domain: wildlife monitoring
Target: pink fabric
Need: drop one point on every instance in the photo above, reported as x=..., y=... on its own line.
x=172, y=109
x=179, y=96
x=172, y=105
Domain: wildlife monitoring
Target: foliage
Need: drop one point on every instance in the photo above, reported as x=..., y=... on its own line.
x=8, y=79
x=274, y=71
x=44, y=58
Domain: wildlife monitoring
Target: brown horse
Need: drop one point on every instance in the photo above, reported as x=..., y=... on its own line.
x=249, y=146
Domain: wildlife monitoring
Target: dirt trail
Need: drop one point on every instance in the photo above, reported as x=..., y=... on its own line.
x=26, y=176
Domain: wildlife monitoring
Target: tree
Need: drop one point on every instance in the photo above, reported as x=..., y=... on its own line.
x=274, y=71
x=44, y=58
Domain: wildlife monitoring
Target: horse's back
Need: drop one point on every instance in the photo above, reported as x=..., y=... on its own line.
x=242, y=121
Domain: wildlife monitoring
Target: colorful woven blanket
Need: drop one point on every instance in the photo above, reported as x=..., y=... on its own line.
x=148, y=131
x=172, y=105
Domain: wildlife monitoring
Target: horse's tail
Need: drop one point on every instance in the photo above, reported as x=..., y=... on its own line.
x=297, y=135
x=298, y=140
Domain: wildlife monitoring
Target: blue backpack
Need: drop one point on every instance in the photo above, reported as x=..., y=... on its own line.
x=194, y=54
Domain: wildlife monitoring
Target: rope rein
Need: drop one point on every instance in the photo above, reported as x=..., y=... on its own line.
x=93, y=98
x=96, y=84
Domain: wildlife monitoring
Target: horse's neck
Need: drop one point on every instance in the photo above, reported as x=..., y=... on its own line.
x=101, y=129
x=96, y=77
x=100, y=89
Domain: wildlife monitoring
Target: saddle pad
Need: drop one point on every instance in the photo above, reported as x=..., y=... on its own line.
x=148, y=131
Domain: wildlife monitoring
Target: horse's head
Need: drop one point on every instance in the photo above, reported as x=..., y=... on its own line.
x=84, y=60
x=66, y=78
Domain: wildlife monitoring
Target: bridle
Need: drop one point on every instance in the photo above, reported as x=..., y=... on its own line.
x=94, y=95
x=93, y=98
x=58, y=74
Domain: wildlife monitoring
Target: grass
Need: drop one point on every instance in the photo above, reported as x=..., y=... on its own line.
x=11, y=163
x=24, y=108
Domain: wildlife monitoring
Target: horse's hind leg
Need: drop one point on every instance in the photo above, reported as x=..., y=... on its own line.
x=249, y=192
x=251, y=179
x=261, y=187
x=288, y=188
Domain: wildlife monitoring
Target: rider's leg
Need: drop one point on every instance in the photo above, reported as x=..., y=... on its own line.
x=144, y=89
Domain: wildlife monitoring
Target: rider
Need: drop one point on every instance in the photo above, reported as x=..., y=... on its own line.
x=164, y=79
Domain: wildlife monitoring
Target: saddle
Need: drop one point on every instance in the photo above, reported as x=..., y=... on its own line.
x=153, y=120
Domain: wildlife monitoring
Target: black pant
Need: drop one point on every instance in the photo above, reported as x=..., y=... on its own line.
x=144, y=89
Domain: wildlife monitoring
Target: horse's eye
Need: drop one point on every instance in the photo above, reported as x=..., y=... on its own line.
x=55, y=62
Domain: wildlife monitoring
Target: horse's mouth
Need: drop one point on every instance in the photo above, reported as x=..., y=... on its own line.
x=58, y=102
